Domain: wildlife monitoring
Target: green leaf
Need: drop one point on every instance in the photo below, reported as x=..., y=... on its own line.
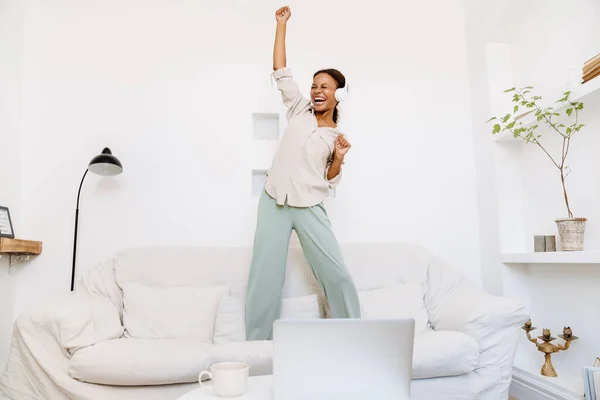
x=569, y=111
x=569, y=130
x=515, y=109
x=579, y=106
x=535, y=127
x=509, y=90
x=511, y=125
x=539, y=118
x=496, y=128
x=557, y=114
x=528, y=87
x=537, y=98
x=530, y=104
x=506, y=118
x=491, y=119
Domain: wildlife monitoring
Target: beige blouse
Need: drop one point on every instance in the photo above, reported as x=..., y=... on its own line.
x=299, y=170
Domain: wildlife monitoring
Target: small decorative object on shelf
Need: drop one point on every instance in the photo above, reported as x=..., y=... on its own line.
x=570, y=229
x=539, y=244
x=6, y=228
x=548, y=348
x=550, y=242
x=542, y=244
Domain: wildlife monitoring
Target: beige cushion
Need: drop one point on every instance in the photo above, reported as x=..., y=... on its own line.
x=443, y=353
x=180, y=312
x=398, y=301
x=230, y=323
x=133, y=362
x=87, y=319
x=127, y=362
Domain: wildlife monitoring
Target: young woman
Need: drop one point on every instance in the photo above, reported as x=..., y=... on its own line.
x=307, y=164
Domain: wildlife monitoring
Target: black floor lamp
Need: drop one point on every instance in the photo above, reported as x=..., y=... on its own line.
x=103, y=164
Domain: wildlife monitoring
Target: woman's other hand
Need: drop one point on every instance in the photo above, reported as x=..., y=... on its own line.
x=341, y=147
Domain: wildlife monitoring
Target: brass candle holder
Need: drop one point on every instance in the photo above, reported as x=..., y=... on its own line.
x=548, y=348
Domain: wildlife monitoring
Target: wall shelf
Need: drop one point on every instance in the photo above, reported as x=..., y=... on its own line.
x=259, y=179
x=20, y=247
x=265, y=126
x=555, y=257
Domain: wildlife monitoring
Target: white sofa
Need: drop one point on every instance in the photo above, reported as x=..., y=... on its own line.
x=145, y=323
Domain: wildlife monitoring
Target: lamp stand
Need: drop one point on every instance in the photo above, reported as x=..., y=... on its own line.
x=75, y=235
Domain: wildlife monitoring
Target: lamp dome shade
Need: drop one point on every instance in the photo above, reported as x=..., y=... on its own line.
x=105, y=164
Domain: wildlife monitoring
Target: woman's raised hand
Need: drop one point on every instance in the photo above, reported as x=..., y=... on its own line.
x=283, y=14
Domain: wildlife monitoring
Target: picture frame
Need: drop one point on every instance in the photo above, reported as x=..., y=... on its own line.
x=6, y=227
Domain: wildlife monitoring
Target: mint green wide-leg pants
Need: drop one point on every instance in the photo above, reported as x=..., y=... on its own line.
x=267, y=271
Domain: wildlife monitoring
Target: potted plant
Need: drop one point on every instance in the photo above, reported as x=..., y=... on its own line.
x=571, y=229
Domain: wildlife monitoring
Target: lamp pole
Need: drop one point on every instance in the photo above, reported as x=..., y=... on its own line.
x=103, y=164
x=75, y=235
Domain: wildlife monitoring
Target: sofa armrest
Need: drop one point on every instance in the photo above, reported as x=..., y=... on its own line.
x=493, y=321
x=45, y=337
x=35, y=358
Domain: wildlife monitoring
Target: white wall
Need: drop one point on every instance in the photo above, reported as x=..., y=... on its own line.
x=11, y=34
x=480, y=20
x=171, y=86
x=546, y=41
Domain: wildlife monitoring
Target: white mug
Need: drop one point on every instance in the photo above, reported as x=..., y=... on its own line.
x=229, y=379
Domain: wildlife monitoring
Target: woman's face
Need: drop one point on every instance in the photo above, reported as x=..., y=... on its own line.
x=322, y=93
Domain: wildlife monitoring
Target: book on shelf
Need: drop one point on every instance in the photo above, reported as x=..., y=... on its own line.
x=593, y=74
x=591, y=68
x=591, y=381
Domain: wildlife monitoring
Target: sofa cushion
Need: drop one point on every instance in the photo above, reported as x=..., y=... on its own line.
x=230, y=321
x=443, y=353
x=87, y=319
x=230, y=325
x=134, y=362
x=129, y=361
x=171, y=312
x=398, y=301
x=301, y=307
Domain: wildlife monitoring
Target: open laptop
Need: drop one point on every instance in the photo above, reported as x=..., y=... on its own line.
x=345, y=359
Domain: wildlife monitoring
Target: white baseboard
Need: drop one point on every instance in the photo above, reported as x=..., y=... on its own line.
x=526, y=386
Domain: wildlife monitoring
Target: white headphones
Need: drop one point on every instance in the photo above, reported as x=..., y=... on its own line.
x=341, y=94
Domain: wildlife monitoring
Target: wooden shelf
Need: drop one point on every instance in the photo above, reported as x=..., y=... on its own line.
x=555, y=257
x=20, y=247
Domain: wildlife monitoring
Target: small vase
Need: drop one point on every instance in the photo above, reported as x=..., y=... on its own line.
x=571, y=232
